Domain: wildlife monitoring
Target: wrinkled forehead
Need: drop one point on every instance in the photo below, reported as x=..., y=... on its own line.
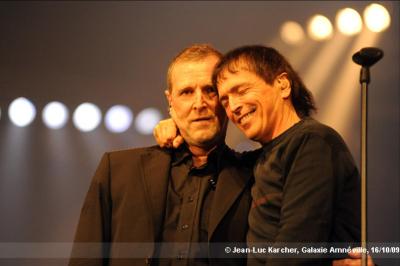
x=191, y=72
x=208, y=61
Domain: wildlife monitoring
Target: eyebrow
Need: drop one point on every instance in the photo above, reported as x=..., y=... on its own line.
x=233, y=90
x=184, y=88
x=236, y=87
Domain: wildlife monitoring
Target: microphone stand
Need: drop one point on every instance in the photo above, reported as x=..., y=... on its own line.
x=366, y=57
x=364, y=80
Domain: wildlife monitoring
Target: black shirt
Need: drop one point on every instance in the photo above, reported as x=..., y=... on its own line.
x=189, y=199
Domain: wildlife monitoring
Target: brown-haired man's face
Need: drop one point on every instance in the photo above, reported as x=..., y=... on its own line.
x=251, y=104
x=194, y=104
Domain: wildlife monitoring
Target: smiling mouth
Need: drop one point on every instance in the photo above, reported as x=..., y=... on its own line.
x=243, y=119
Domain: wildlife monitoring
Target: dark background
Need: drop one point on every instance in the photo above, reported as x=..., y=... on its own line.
x=118, y=52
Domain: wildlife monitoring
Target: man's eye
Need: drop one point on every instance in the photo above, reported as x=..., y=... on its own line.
x=186, y=92
x=242, y=91
x=211, y=90
x=224, y=102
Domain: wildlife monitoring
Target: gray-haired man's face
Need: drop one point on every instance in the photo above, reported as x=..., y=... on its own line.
x=194, y=104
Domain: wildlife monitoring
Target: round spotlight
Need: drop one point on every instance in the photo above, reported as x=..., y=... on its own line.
x=348, y=21
x=118, y=118
x=21, y=112
x=320, y=28
x=292, y=33
x=146, y=120
x=376, y=17
x=86, y=117
x=55, y=115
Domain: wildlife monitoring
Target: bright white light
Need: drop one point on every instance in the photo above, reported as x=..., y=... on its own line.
x=118, y=118
x=348, y=21
x=376, y=17
x=146, y=120
x=292, y=32
x=319, y=28
x=21, y=112
x=86, y=117
x=55, y=115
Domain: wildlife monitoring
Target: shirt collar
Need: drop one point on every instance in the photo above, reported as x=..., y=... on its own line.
x=273, y=142
x=182, y=155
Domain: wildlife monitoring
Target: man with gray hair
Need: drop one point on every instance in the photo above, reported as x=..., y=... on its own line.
x=162, y=207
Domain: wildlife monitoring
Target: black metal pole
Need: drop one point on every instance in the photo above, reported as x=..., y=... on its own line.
x=364, y=121
x=366, y=57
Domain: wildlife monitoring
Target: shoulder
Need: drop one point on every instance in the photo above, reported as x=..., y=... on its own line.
x=315, y=142
x=314, y=127
x=312, y=130
x=120, y=163
x=136, y=153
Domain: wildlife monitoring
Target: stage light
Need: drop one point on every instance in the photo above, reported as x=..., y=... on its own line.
x=55, y=115
x=376, y=17
x=21, y=112
x=292, y=32
x=146, y=120
x=319, y=28
x=118, y=118
x=348, y=21
x=86, y=117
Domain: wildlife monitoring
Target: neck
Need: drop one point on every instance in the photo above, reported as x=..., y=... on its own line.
x=284, y=122
x=200, y=154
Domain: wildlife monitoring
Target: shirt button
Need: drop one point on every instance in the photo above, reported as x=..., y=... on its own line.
x=185, y=226
x=181, y=256
x=148, y=260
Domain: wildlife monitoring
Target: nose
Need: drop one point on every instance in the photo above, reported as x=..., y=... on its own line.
x=234, y=106
x=199, y=100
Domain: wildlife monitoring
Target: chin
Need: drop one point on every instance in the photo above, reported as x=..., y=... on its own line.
x=207, y=140
x=250, y=135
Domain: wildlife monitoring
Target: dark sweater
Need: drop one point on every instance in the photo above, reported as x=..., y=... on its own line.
x=306, y=191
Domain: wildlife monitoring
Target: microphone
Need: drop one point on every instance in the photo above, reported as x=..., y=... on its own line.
x=367, y=56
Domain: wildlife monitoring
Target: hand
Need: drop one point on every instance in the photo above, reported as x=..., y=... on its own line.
x=166, y=134
x=354, y=260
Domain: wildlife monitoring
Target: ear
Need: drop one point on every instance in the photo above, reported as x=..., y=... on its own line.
x=168, y=96
x=283, y=84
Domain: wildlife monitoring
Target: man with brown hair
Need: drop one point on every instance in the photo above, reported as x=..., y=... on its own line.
x=307, y=187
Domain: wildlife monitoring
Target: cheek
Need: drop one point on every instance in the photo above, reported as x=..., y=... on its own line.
x=215, y=107
x=229, y=114
x=180, y=110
